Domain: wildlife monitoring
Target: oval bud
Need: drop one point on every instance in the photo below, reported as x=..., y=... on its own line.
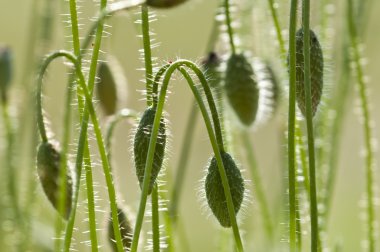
x=164, y=3
x=106, y=89
x=5, y=72
x=141, y=146
x=241, y=88
x=48, y=170
x=126, y=231
x=211, y=66
x=214, y=188
x=316, y=72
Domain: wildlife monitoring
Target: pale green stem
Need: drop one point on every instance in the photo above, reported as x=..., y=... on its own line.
x=147, y=52
x=155, y=219
x=291, y=126
x=213, y=140
x=309, y=123
x=229, y=25
x=91, y=111
x=367, y=128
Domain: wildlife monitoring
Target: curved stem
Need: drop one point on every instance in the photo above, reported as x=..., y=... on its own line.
x=152, y=145
x=229, y=25
x=155, y=220
x=121, y=115
x=367, y=128
x=291, y=125
x=309, y=122
x=98, y=135
x=147, y=52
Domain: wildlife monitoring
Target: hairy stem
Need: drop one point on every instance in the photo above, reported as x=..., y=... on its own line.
x=309, y=123
x=230, y=31
x=213, y=140
x=367, y=128
x=291, y=125
x=155, y=220
x=147, y=52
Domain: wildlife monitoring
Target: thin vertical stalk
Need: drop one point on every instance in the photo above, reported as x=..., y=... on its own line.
x=86, y=152
x=367, y=128
x=147, y=52
x=309, y=123
x=291, y=125
x=258, y=185
x=277, y=26
x=155, y=220
x=230, y=31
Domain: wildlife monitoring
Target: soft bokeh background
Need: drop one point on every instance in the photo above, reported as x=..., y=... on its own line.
x=183, y=33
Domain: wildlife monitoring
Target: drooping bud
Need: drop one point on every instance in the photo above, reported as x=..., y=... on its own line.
x=141, y=146
x=211, y=66
x=126, y=231
x=215, y=192
x=316, y=72
x=5, y=72
x=48, y=170
x=241, y=88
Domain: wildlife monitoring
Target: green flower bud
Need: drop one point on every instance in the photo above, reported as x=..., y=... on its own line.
x=48, y=170
x=141, y=146
x=215, y=192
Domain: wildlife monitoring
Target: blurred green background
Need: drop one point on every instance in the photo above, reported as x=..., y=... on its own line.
x=183, y=33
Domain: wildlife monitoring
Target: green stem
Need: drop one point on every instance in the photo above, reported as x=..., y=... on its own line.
x=86, y=152
x=91, y=111
x=291, y=125
x=277, y=27
x=303, y=159
x=229, y=25
x=215, y=144
x=155, y=220
x=257, y=182
x=367, y=128
x=147, y=52
x=121, y=115
x=309, y=123
x=183, y=161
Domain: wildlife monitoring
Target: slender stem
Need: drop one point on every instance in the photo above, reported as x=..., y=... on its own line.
x=291, y=125
x=121, y=115
x=183, y=161
x=91, y=111
x=257, y=182
x=367, y=128
x=155, y=220
x=147, y=52
x=277, y=26
x=229, y=25
x=309, y=123
x=303, y=158
x=86, y=152
x=214, y=142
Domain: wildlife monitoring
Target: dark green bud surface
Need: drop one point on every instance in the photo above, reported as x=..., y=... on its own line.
x=164, y=3
x=316, y=72
x=126, y=231
x=48, y=169
x=211, y=65
x=5, y=72
x=214, y=189
x=141, y=146
x=241, y=88
x=106, y=89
